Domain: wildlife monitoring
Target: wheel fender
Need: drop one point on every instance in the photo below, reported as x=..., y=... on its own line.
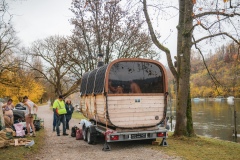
x=85, y=122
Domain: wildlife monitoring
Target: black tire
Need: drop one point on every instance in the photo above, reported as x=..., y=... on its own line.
x=84, y=132
x=89, y=137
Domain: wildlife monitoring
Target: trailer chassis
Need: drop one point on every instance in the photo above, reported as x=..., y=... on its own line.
x=91, y=131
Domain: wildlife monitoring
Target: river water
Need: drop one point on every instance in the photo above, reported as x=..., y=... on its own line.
x=212, y=118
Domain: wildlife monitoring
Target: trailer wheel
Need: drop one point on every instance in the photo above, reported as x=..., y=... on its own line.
x=84, y=132
x=89, y=137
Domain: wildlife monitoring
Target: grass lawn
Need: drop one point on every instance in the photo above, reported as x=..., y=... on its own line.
x=78, y=115
x=201, y=148
x=22, y=152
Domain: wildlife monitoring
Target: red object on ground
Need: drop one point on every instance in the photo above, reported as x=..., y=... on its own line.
x=79, y=135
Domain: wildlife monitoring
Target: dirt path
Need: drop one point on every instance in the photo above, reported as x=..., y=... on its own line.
x=67, y=147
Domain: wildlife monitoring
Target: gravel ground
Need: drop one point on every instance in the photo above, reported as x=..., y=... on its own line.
x=67, y=147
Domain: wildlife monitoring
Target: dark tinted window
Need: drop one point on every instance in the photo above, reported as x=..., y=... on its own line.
x=143, y=77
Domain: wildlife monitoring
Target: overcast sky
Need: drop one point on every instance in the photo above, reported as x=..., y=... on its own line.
x=38, y=19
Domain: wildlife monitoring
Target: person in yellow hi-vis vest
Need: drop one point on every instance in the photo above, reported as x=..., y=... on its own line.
x=60, y=110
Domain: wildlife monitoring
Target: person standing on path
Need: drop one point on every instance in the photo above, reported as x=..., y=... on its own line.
x=70, y=110
x=29, y=115
x=58, y=105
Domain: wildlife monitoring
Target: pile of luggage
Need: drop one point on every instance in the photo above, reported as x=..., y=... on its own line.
x=21, y=130
x=76, y=132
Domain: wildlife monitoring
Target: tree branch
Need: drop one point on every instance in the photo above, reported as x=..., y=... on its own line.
x=157, y=43
x=215, y=35
x=216, y=13
x=215, y=81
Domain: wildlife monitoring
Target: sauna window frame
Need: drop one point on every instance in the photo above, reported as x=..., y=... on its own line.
x=148, y=76
x=96, y=81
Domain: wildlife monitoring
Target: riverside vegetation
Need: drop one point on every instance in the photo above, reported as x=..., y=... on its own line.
x=224, y=67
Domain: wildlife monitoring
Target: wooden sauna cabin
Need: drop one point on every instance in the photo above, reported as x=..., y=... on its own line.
x=125, y=94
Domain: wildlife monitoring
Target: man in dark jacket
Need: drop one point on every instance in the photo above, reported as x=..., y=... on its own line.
x=69, y=113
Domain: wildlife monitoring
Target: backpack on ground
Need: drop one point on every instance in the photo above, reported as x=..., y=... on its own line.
x=37, y=124
x=73, y=132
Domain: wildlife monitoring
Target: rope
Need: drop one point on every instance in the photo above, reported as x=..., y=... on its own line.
x=105, y=112
x=95, y=109
x=87, y=112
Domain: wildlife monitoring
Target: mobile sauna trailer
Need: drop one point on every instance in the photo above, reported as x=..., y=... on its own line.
x=124, y=100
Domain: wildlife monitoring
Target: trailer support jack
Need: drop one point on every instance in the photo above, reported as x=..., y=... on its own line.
x=164, y=142
x=106, y=147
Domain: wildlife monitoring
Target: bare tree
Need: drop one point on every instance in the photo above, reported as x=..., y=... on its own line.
x=199, y=21
x=103, y=27
x=57, y=69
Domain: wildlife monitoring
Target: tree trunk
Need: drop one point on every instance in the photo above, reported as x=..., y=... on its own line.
x=182, y=75
x=190, y=129
x=185, y=35
x=182, y=97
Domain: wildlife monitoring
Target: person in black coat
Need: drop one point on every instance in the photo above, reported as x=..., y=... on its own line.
x=69, y=113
